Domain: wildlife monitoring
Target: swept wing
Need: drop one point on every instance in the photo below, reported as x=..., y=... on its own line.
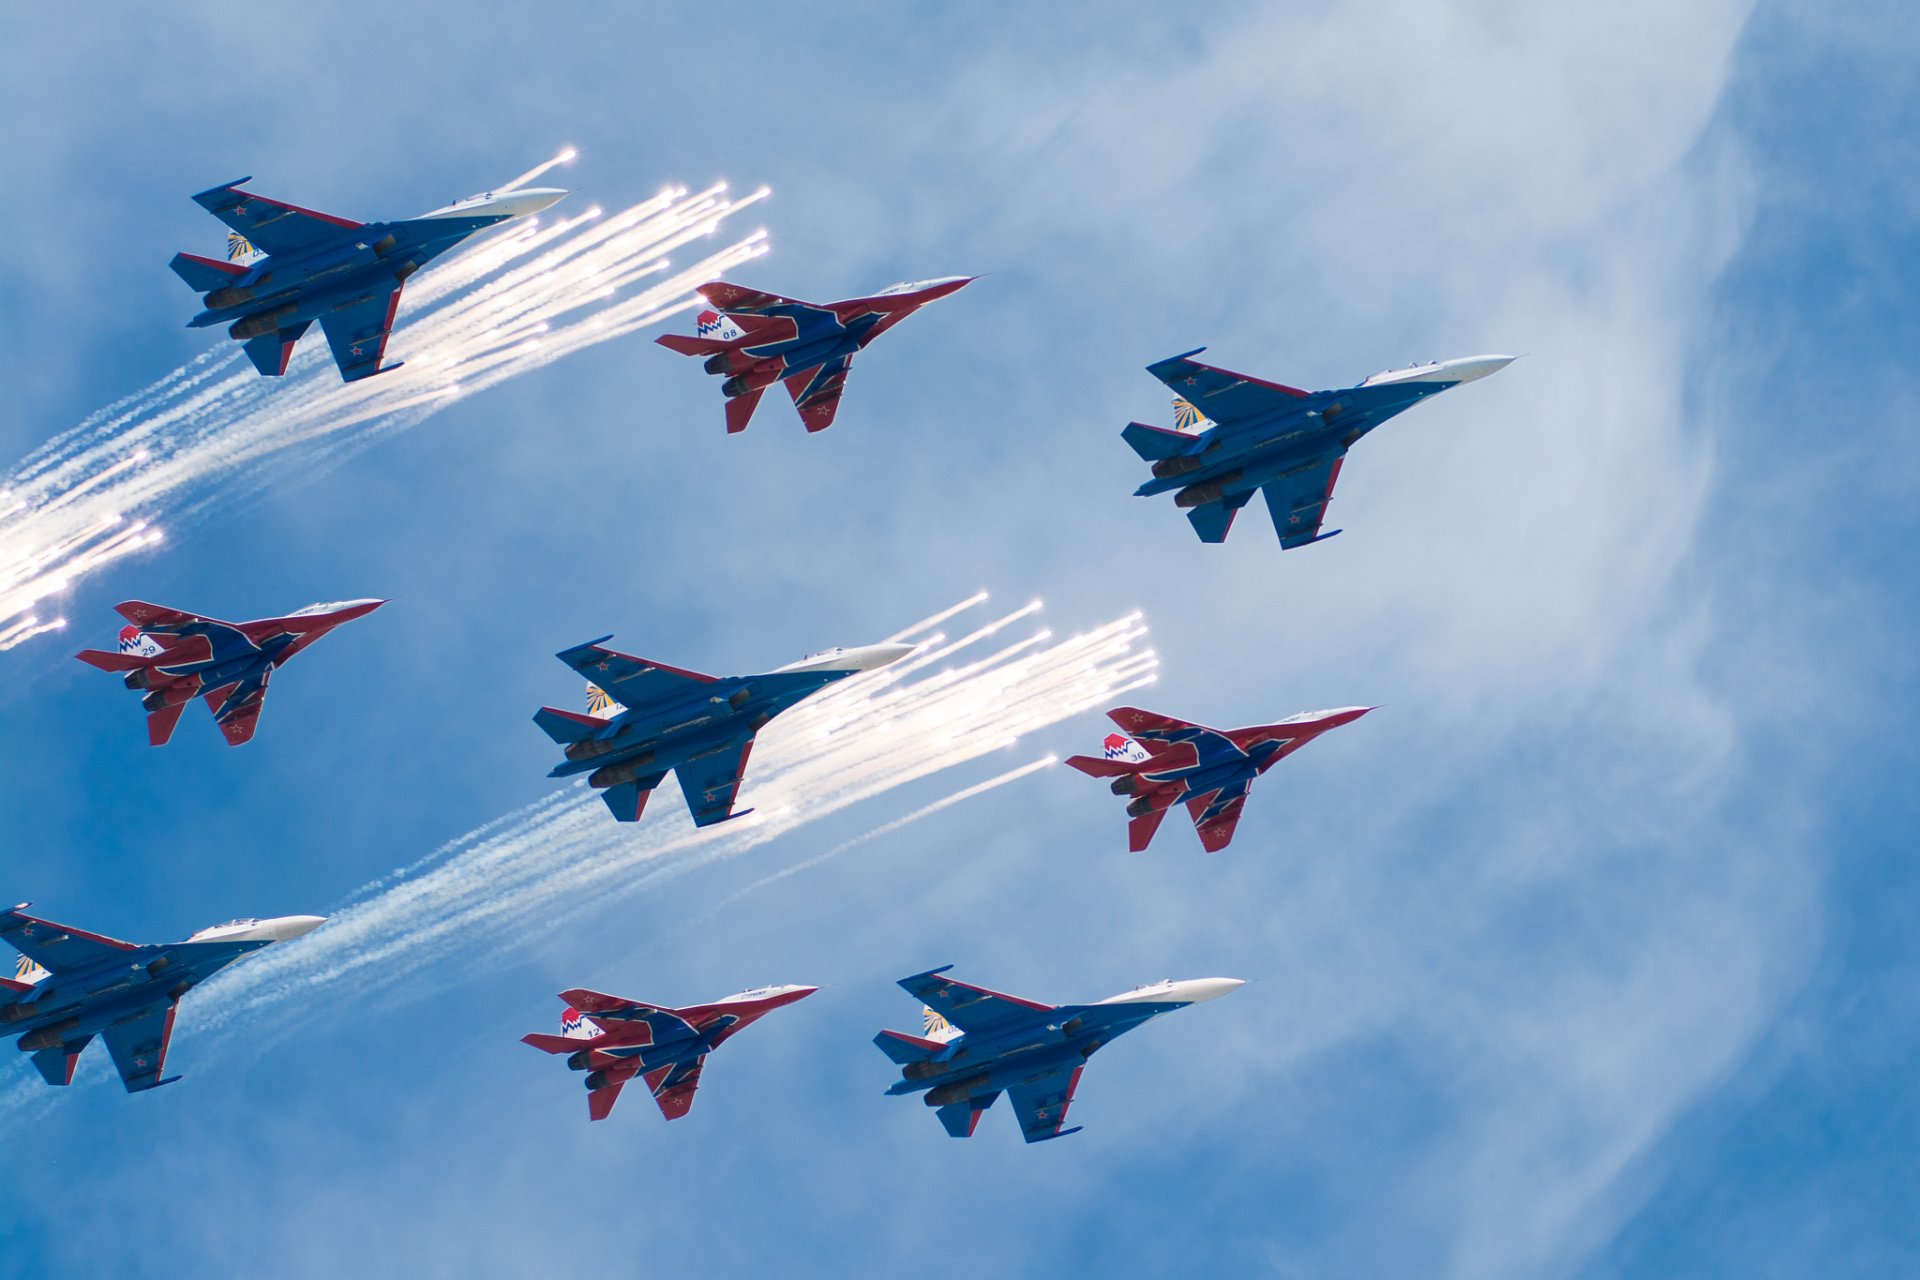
x=1298, y=503
x=357, y=334
x=712, y=781
x=973, y=1009
x=630, y=680
x=1220, y=394
x=1041, y=1104
x=139, y=1047
x=272, y=225
x=56, y=947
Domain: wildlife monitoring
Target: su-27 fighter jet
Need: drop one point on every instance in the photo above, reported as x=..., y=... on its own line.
x=288, y=267
x=1241, y=435
x=175, y=656
x=73, y=985
x=665, y=1047
x=758, y=339
x=1209, y=770
x=700, y=727
x=981, y=1043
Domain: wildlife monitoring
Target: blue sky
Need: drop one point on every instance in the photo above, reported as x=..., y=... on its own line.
x=1591, y=954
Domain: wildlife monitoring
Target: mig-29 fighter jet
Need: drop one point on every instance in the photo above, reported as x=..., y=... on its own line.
x=987, y=1042
x=758, y=339
x=666, y=1047
x=667, y=718
x=288, y=267
x=74, y=985
x=1209, y=770
x=177, y=656
x=1243, y=435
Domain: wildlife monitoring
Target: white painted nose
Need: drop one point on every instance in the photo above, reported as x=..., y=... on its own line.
x=1199, y=990
x=283, y=928
x=518, y=204
x=868, y=657
x=1471, y=368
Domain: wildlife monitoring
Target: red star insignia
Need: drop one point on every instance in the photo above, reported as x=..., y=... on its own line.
x=356, y=348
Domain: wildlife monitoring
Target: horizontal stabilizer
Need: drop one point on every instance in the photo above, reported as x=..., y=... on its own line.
x=113, y=661
x=204, y=275
x=904, y=1049
x=566, y=727
x=740, y=410
x=1049, y=1137
x=1098, y=767
x=1140, y=830
x=554, y=1044
x=160, y=724
x=56, y=1064
x=1213, y=520
x=270, y=352
x=1155, y=443
x=600, y=1101
x=961, y=1118
x=629, y=800
x=689, y=346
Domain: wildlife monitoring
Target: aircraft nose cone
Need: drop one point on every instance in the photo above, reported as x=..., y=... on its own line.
x=1199, y=990
x=951, y=284
x=285, y=928
x=872, y=656
x=528, y=200
x=1474, y=368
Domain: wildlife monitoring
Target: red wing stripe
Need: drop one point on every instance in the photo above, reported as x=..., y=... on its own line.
x=335, y=219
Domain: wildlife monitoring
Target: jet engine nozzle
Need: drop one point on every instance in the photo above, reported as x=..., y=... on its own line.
x=716, y=363
x=739, y=698
x=922, y=1070
x=587, y=748
x=612, y=775
x=1199, y=495
x=266, y=322
x=735, y=387
x=1124, y=785
x=598, y=1080
x=49, y=1037
x=1140, y=808
x=136, y=679
x=1174, y=467
x=231, y=296
x=958, y=1091
x=577, y=1060
x=18, y=1012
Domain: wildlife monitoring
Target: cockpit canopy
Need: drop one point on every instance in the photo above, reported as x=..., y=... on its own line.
x=246, y=922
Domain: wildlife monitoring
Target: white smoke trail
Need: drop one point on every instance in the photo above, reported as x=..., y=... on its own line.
x=511, y=304
x=884, y=829
x=530, y=872
x=527, y=872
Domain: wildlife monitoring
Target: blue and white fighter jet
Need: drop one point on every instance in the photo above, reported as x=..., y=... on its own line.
x=981, y=1043
x=287, y=267
x=72, y=985
x=654, y=718
x=1239, y=435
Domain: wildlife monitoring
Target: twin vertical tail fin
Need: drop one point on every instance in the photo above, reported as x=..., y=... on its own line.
x=712, y=334
x=574, y=1030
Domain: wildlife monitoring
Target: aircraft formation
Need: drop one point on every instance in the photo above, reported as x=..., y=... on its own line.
x=286, y=267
